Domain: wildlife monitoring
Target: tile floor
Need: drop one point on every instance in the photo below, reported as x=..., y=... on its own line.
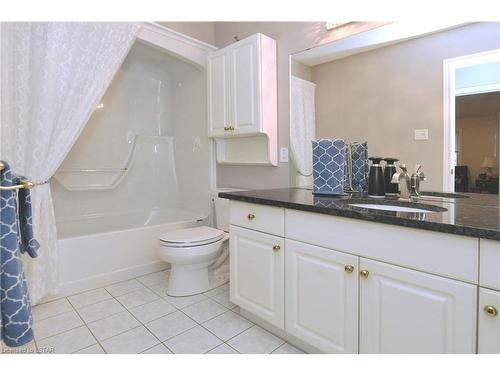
x=136, y=316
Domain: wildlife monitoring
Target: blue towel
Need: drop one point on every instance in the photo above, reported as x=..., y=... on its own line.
x=359, y=172
x=329, y=163
x=16, y=321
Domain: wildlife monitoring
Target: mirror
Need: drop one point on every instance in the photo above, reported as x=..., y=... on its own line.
x=429, y=98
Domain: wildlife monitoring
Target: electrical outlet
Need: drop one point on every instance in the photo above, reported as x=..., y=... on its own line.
x=421, y=134
x=284, y=155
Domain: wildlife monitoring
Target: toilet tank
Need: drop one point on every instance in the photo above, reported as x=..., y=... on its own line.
x=221, y=209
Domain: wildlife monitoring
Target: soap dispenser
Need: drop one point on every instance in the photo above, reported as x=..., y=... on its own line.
x=376, y=182
x=390, y=169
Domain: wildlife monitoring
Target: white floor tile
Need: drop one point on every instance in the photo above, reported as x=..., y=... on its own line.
x=89, y=298
x=160, y=288
x=158, y=349
x=181, y=302
x=153, y=278
x=255, y=341
x=130, y=342
x=286, y=348
x=100, y=310
x=170, y=325
x=227, y=325
x=223, y=349
x=94, y=349
x=195, y=341
x=124, y=287
x=50, y=309
x=152, y=310
x=223, y=299
x=56, y=324
x=113, y=325
x=137, y=298
x=218, y=290
x=204, y=310
x=67, y=342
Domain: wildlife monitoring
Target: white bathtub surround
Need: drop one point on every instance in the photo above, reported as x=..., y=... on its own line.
x=53, y=75
x=101, y=324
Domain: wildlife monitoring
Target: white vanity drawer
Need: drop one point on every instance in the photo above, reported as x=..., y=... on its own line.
x=265, y=219
x=438, y=253
x=489, y=270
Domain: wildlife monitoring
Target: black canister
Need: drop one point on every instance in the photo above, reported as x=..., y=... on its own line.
x=390, y=169
x=376, y=182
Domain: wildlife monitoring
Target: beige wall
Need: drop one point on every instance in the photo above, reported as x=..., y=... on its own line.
x=382, y=95
x=478, y=137
x=204, y=31
x=291, y=37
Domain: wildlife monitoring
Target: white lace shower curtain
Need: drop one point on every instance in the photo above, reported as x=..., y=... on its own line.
x=302, y=129
x=53, y=75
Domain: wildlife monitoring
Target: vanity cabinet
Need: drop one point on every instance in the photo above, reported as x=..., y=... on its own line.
x=243, y=102
x=407, y=311
x=322, y=297
x=257, y=273
x=338, y=285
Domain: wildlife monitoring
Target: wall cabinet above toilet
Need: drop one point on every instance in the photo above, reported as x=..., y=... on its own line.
x=242, y=101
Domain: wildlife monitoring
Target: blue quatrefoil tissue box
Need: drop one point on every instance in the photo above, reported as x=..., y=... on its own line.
x=329, y=164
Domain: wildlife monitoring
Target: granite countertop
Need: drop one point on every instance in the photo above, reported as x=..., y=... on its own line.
x=476, y=215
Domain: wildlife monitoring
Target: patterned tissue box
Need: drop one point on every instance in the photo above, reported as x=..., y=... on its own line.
x=329, y=164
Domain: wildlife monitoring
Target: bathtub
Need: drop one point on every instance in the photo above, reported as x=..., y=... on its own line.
x=98, y=250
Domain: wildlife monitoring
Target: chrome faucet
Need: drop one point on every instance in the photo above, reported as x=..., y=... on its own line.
x=403, y=179
x=416, y=177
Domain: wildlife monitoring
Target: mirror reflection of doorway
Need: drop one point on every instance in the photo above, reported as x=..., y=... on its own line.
x=477, y=122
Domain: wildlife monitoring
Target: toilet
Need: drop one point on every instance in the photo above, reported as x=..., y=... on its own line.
x=195, y=253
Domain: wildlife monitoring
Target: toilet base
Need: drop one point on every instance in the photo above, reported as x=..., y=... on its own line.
x=182, y=283
x=186, y=280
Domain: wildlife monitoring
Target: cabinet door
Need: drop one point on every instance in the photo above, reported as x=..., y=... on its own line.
x=406, y=311
x=489, y=321
x=218, y=93
x=322, y=297
x=257, y=273
x=245, y=78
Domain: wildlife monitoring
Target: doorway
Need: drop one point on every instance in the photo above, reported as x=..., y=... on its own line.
x=471, y=122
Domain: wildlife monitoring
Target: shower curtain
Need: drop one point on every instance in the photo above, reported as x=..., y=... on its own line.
x=302, y=129
x=53, y=75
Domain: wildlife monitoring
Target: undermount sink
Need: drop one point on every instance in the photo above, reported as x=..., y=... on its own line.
x=435, y=194
x=386, y=207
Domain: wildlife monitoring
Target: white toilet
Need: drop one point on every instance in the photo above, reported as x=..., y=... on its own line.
x=193, y=252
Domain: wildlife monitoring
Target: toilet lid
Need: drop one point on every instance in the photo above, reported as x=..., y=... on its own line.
x=192, y=236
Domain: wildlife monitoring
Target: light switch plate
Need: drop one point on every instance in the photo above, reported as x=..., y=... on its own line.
x=284, y=155
x=421, y=134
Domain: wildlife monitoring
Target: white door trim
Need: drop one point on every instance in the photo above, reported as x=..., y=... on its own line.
x=449, y=92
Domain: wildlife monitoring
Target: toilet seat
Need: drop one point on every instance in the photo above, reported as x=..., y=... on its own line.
x=190, y=237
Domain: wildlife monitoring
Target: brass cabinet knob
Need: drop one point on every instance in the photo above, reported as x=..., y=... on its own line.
x=250, y=216
x=364, y=273
x=231, y=127
x=226, y=128
x=349, y=268
x=276, y=247
x=490, y=310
